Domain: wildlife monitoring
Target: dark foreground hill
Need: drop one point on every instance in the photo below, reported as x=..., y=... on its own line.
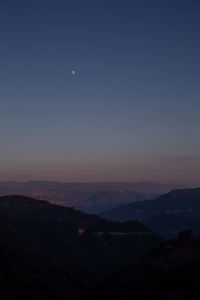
x=167, y=215
x=170, y=226
x=170, y=272
x=53, y=252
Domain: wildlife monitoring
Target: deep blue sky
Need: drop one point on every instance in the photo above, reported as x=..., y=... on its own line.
x=132, y=110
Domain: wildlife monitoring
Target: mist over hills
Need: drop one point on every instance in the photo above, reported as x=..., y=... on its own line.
x=90, y=197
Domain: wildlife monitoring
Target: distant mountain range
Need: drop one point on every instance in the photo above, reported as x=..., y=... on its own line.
x=167, y=215
x=90, y=197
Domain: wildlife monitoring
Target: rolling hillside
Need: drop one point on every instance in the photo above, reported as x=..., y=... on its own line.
x=178, y=202
x=53, y=252
x=166, y=215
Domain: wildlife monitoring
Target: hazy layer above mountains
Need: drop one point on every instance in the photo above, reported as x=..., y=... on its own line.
x=91, y=197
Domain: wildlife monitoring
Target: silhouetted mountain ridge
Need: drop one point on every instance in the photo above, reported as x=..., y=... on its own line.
x=178, y=202
x=166, y=215
x=41, y=209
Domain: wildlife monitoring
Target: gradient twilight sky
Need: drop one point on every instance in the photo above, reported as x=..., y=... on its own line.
x=132, y=110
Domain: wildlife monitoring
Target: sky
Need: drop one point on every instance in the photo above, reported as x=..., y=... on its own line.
x=131, y=110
